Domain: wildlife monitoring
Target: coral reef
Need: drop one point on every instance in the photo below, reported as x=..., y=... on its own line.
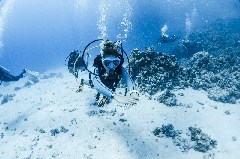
x=166, y=130
x=56, y=131
x=218, y=75
x=168, y=98
x=216, y=71
x=202, y=142
x=220, y=36
x=196, y=139
x=153, y=71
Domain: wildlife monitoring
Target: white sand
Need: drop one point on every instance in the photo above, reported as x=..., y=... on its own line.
x=53, y=103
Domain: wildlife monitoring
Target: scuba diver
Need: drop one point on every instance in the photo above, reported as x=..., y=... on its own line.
x=166, y=39
x=108, y=71
x=164, y=36
x=75, y=63
x=5, y=75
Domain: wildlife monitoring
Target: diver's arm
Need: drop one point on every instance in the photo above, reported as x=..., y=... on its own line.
x=101, y=88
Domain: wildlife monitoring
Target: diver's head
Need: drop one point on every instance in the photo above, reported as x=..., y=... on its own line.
x=109, y=48
x=110, y=62
x=110, y=55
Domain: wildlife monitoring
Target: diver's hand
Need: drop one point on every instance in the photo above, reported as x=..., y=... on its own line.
x=126, y=99
x=135, y=95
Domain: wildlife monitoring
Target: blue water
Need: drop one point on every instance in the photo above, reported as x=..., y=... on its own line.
x=39, y=34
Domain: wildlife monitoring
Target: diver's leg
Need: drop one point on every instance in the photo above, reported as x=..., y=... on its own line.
x=80, y=88
x=20, y=76
x=9, y=77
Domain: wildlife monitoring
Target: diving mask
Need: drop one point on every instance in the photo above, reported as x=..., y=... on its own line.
x=110, y=62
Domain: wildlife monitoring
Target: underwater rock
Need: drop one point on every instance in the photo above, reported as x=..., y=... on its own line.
x=197, y=140
x=216, y=70
x=234, y=138
x=28, y=84
x=42, y=131
x=53, y=75
x=154, y=71
x=167, y=130
x=102, y=112
x=123, y=120
x=227, y=112
x=168, y=98
x=1, y=135
x=223, y=95
x=63, y=129
x=17, y=88
x=54, y=132
x=7, y=98
x=202, y=142
x=218, y=75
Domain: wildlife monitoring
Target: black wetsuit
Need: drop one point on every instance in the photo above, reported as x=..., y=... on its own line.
x=166, y=39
